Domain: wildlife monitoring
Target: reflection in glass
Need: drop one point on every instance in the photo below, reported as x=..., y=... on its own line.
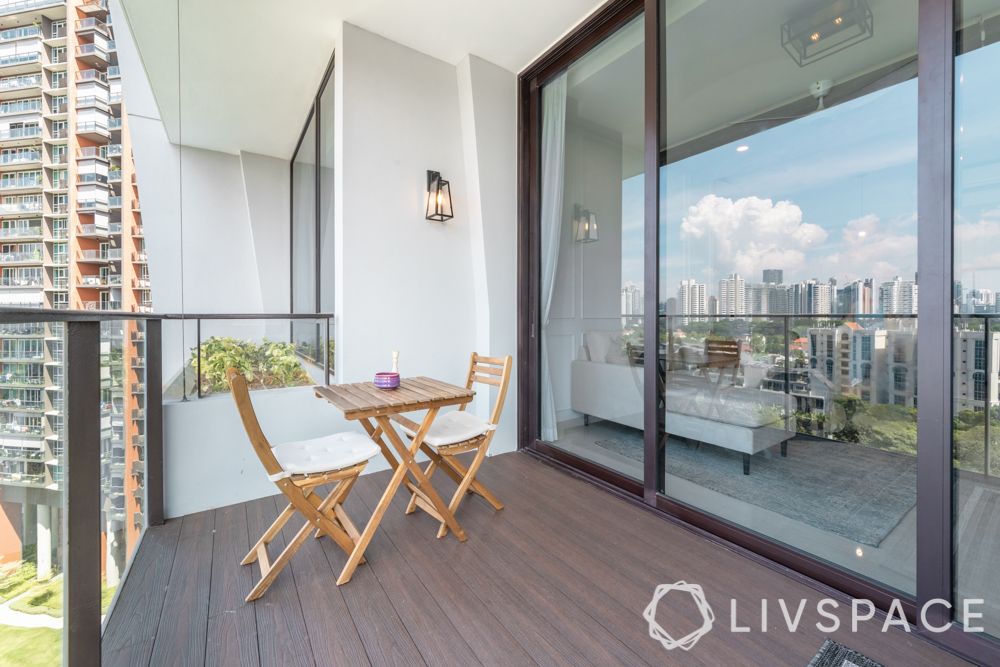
x=788, y=281
x=591, y=247
x=976, y=350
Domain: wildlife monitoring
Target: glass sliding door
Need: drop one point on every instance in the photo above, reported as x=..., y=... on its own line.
x=976, y=275
x=591, y=246
x=788, y=278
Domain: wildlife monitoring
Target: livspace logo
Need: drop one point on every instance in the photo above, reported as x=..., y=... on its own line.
x=827, y=612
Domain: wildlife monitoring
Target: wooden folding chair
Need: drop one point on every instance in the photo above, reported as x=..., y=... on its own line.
x=297, y=468
x=458, y=432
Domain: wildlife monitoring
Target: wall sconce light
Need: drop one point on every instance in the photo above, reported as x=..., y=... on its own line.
x=586, y=225
x=438, y=198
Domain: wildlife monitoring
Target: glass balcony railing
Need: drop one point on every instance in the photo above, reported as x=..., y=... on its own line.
x=20, y=257
x=114, y=202
x=90, y=50
x=114, y=71
x=85, y=75
x=13, y=208
x=115, y=123
x=20, y=59
x=22, y=32
x=114, y=150
x=92, y=177
x=20, y=232
x=92, y=127
x=18, y=6
x=18, y=82
x=20, y=183
x=25, y=132
x=91, y=23
x=20, y=157
x=27, y=281
x=20, y=106
x=115, y=176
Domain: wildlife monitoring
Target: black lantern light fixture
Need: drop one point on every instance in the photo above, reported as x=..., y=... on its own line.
x=826, y=28
x=586, y=225
x=438, y=198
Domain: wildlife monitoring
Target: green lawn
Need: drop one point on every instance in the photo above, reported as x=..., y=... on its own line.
x=30, y=647
x=16, y=581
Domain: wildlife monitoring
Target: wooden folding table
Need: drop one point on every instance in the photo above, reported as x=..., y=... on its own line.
x=375, y=408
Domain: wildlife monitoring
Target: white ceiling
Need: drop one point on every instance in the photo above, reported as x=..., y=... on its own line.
x=248, y=69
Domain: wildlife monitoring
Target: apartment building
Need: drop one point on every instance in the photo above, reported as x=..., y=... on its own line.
x=70, y=237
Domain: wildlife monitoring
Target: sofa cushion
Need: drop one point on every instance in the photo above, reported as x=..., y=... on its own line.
x=598, y=343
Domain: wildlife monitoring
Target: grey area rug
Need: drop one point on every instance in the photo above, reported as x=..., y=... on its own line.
x=851, y=490
x=832, y=654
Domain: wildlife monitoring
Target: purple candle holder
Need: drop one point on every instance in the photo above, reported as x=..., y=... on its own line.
x=387, y=380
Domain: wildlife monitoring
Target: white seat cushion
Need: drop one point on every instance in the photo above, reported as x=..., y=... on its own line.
x=324, y=454
x=453, y=427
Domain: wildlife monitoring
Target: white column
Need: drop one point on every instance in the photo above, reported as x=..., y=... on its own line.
x=44, y=541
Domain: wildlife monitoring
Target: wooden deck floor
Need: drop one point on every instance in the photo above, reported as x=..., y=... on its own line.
x=559, y=577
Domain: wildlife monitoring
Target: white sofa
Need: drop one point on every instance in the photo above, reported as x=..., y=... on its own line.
x=741, y=419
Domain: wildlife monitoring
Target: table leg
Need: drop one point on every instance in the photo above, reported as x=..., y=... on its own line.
x=407, y=457
x=376, y=518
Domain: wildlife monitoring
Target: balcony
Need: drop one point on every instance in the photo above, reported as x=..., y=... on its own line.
x=20, y=63
x=93, y=130
x=23, y=32
x=30, y=257
x=92, y=54
x=13, y=86
x=92, y=256
x=91, y=178
x=91, y=205
x=32, y=282
x=85, y=75
x=18, y=6
x=20, y=107
x=91, y=24
x=21, y=233
x=21, y=135
x=115, y=202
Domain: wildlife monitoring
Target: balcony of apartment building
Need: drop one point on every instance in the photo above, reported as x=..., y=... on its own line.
x=15, y=64
x=92, y=55
x=663, y=476
x=19, y=86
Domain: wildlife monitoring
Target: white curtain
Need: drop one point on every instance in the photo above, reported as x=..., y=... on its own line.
x=553, y=170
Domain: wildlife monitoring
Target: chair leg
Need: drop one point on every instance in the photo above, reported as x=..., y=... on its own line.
x=458, y=473
x=412, y=505
x=269, y=534
x=270, y=571
x=463, y=486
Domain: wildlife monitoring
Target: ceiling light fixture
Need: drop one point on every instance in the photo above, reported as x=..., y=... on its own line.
x=826, y=29
x=742, y=148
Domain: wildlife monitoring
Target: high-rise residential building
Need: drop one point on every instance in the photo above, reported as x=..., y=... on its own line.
x=758, y=299
x=857, y=297
x=72, y=237
x=898, y=297
x=773, y=276
x=632, y=305
x=732, y=295
x=692, y=299
x=817, y=298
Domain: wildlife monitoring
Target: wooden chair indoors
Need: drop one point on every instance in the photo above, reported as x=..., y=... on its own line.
x=458, y=432
x=297, y=469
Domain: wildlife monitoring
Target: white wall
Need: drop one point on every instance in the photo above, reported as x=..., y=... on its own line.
x=433, y=291
x=406, y=283
x=488, y=103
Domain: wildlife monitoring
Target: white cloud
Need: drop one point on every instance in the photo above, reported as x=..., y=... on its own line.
x=751, y=234
x=872, y=248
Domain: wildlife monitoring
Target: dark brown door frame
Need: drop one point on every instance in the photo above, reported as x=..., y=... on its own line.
x=936, y=52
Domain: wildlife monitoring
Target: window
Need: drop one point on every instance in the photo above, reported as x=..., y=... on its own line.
x=899, y=379
x=312, y=224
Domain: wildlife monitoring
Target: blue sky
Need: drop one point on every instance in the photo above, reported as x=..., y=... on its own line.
x=833, y=194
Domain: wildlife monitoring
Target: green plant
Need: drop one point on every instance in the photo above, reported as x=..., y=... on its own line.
x=266, y=365
x=28, y=647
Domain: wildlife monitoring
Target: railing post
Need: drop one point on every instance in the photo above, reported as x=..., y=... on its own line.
x=198, y=344
x=988, y=377
x=154, y=422
x=789, y=416
x=326, y=356
x=82, y=518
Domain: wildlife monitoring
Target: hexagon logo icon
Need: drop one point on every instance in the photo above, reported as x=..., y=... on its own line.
x=688, y=641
